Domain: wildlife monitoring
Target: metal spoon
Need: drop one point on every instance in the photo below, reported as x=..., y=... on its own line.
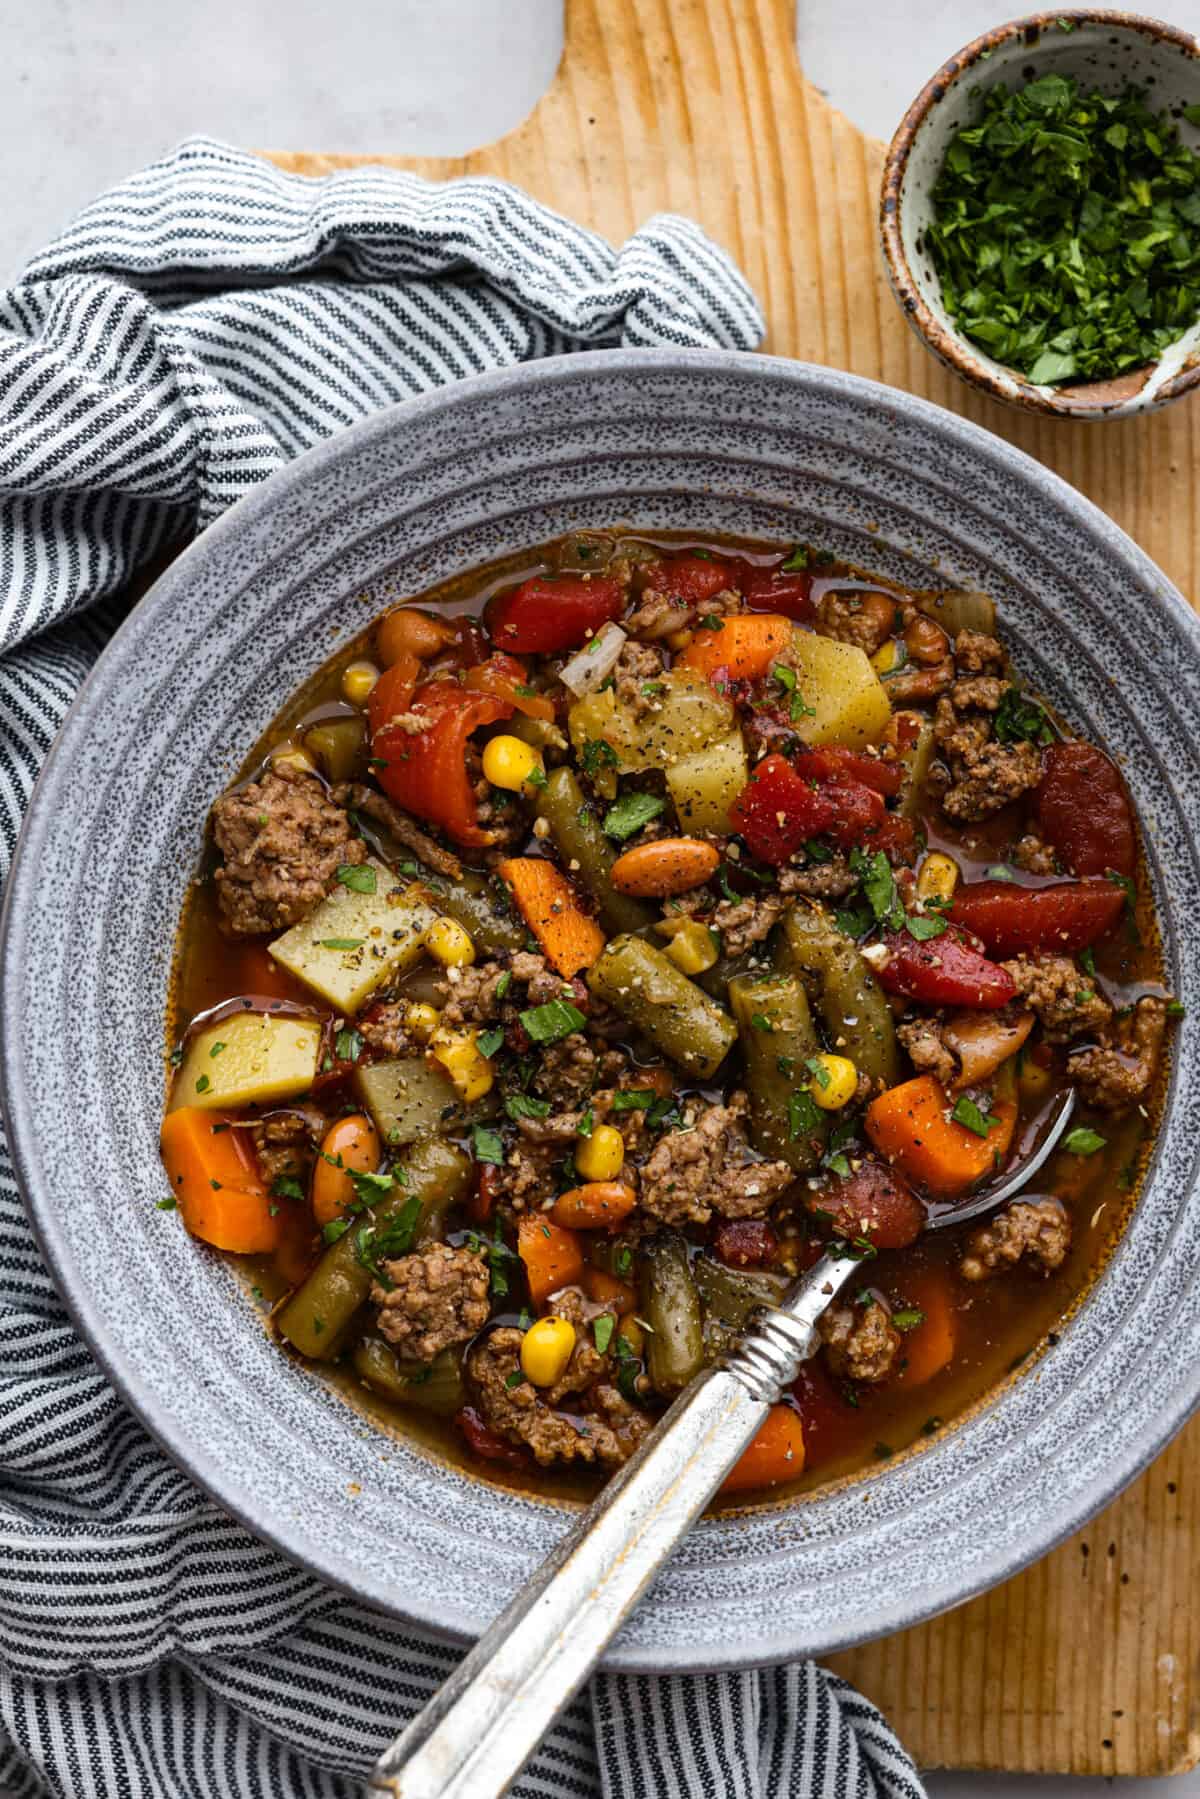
x=480, y=1728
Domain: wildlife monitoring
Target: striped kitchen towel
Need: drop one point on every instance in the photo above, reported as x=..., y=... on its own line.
x=188, y=334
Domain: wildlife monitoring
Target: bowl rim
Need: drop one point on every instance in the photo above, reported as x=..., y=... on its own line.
x=1112, y=398
x=236, y=1496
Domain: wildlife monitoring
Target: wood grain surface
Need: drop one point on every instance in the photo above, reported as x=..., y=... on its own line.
x=1087, y=1663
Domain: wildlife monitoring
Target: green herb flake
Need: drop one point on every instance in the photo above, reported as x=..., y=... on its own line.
x=286, y=1186
x=203, y=1084
x=818, y=1071
x=969, y=1115
x=520, y=1105
x=602, y=1331
x=1176, y=1009
x=1087, y=961
x=488, y=1042
x=803, y=1116
x=487, y=1145
x=1083, y=1142
x=596, y=755
x=1000, y=871
x=553, y=1021
x=168, y=1204
x=216, y=1049
x=337, y=1227
x=357, y=876
x=908, y=1318
x=587, y=1123
x=515, y=1379
x=796, y=561
x=341, y=942
x=631, y=813
x=347, y=1045
x=923, y=926
x=761, y=1022
x=504, y=983
x=879, y=887
x=1020, y=719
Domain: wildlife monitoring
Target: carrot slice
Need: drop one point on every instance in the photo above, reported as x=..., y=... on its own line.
x=596, y=1206
x=776, y=1453
x=349, y=1143
x=930, y=1345
x=912, y=1127
x=570, y=938
x=216, y=1183
x=743, y=646
x=664, y=867
x=552, y=1256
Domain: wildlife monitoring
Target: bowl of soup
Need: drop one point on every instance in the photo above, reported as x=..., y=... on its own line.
x=533, y=876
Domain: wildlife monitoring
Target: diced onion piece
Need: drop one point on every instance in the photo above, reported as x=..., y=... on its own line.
x=591, y=666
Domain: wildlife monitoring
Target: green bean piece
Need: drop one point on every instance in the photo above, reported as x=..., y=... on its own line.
x=477, y=906
x=647, y=989
x=914, y=764
x=856, y=1015
x=339, y=745
x=729, y=1295
x=540, y=733
x=435, y=1386
x=585, y=851
x=778, y=1038
x=318, y=1314
x=671, y=1307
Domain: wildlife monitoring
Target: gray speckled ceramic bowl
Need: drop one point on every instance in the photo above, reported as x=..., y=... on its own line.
x=1104, y=49
x=658, y=439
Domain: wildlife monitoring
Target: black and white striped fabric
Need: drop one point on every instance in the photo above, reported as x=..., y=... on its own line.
x=190, y=332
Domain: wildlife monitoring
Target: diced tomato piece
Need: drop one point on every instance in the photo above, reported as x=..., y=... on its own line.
x=693, y=580
x=778, y=590
x=504, y=676
x=746, y=1242
x=1011, y=919
x=482, y=1202
x=897, y=838
x=943, y=971
x=779, y=809
x=392, y=693
x=550, y=613
x=1083, y=810
x=482, y=1441
x=872, y=1201
x=833, y=761
x=425, y=772
x=832, y=1426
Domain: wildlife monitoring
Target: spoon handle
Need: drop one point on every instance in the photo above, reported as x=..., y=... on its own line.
x=482, y=1725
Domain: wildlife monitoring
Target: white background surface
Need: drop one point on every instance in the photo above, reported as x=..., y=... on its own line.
x=90, y=89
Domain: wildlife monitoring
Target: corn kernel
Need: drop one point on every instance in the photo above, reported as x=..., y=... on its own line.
x=601, y=1156
x=834, y=1082
x=458, y=1053
x=938, y=877
x=449, y=944
x=291, y=755
x=888, y=657
x=692, y=948
x=357, y=682
x=509, y=763
x=421, y=1021
x=546, y=1349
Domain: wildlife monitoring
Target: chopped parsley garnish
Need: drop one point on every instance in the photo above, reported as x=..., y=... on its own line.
x=855, y=921
x=216, y=1049
x=488, y=1042
x=761, y=1022
x=623, y=1261
x=487, y=1145
x=337, y=1227
x=1175, y=1009
x=633, y=1099
x=587, y=1123
x=972, y=1118
x=923, y=926
x=629, y=1368
x=504, y=983
x=168, y=1204
x=879, y=887
x=818, y=1071
x=786, y=678
x=347, y=1045
x=796, y=561
x=1021, y=720
x=376, y=1243
x=1087, y=961
x=286, y=1186
x=803, y=1116
x=908, y=1319
x=553, y=1021
x=595, y=755
x=341, y=942
x=602, y=1331
x=357, y=876
x=520, y=1105
x=1000, y=871
x=203, y=1084
x=1064, y=231
x=630, y=813
x=1083, y=1142
x=514, y=1379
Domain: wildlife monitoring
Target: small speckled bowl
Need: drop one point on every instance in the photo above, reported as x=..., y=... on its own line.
x=657, y=439
x=1108, y=50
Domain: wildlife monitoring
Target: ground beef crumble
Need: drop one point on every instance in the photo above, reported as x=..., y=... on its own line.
x=927, y=1049
x=382, y=1029
x=438, y=1297
x=375, y=805
x=477, y=996
x=984, y=773
x=639, y=666
x=1119, y=1071
x=282, y=841
x=1037, y=1230
x=866, y=620
x=285, y=1145
x=1034, y=856
x=1066, y=1001
x=693, y=1173
x=861, y=1342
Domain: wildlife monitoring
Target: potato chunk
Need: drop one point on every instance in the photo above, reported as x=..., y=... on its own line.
x=705, y=783
x=356, y=939
x=411, y=1099
x=848, y=701
x=248, y=1059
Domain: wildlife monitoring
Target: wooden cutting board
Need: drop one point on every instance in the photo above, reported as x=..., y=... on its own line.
x=1087, y=1663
